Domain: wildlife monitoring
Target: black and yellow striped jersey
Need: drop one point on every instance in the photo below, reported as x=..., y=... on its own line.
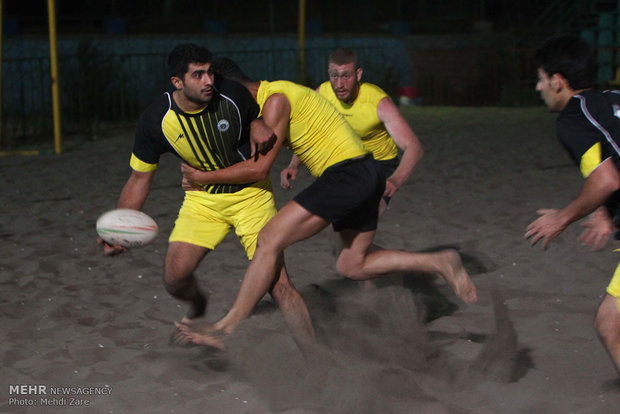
x=210, y=139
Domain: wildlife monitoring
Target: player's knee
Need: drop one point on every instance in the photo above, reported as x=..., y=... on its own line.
x=599, y=323
x=267, y=241
x=175, y=281
x=605, y=324
x=350, y=269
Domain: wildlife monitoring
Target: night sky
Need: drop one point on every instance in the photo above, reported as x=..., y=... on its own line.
x=276, y=16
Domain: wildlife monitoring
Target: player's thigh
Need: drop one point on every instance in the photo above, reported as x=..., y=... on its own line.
x=355, y=246
x=291, y=224
x=250, y=215
x=200, y=222
x=608, y=314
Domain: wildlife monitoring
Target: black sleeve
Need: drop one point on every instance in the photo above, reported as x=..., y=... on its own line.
x=577, y=135
x=149, y=141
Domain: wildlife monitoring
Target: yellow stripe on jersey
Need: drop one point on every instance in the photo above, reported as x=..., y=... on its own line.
x=614, y=285
x=590, y=160
x=318, y=134
x=141, y=166
x=186, y=144
x=362, y=116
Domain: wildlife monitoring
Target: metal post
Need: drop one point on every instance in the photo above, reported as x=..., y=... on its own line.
x=51, y=11
x=1, y=38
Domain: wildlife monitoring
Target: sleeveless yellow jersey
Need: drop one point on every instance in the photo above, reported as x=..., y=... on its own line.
x=362, y=115
x=318, y=134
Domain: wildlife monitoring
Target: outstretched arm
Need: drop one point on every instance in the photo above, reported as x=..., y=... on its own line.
x=276, y=116
x=133, y=195
x=598, y=187
x=597, y=229
x=136, y=190
x=405, y=139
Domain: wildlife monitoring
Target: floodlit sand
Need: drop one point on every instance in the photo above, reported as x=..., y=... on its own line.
x=74, y=318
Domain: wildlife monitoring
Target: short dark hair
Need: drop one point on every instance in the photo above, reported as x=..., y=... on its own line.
x=184, y=54
x=343, y=56
x=569, y=56
x=228, y=68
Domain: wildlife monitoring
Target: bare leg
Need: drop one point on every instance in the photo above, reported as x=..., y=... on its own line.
x=337, y=242
x=179, y=280
x=291, y=224
x=293, y=308
x=259, y=277
x=338, y=245
x=356, y=261
x=607, y=324
x=288, y=300
x=382, y=206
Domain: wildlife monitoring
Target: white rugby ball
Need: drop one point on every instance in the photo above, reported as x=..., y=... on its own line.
x=126, y=227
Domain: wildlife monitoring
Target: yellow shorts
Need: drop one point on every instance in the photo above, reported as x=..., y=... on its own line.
x=614, y=286
x=205, y=219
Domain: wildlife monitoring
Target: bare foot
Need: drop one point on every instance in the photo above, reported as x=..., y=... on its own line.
x=453, y=271
x=199, y=333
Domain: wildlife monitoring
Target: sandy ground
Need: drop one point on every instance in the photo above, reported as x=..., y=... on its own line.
x=81, y=328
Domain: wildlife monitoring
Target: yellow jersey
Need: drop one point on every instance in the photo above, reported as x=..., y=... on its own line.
x=318, y=134
x=363, y=118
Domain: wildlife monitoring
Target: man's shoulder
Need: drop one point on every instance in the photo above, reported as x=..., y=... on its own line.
x=613, y=97
x=591, y=104
x=587, y=114
x=371, y=93
x=162, y=101
x=371, y=87
x=232, y=89
x=157, y=109
x=594, y=97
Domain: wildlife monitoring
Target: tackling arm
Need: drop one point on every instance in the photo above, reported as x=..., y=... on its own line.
x=276, y=116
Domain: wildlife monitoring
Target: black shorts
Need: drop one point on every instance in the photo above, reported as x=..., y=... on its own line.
x=388, y=167
x=347, y=194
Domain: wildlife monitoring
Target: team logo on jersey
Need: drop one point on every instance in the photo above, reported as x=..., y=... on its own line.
x=223, y=125
x=616, y=111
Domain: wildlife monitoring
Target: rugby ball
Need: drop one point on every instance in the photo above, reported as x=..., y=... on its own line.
x=126, y=227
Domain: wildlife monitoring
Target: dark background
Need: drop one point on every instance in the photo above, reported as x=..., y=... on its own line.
x=111, y=54
x=325, y=16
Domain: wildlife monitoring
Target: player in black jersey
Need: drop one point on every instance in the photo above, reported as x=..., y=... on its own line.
x=207, y=123
x=589, y=128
